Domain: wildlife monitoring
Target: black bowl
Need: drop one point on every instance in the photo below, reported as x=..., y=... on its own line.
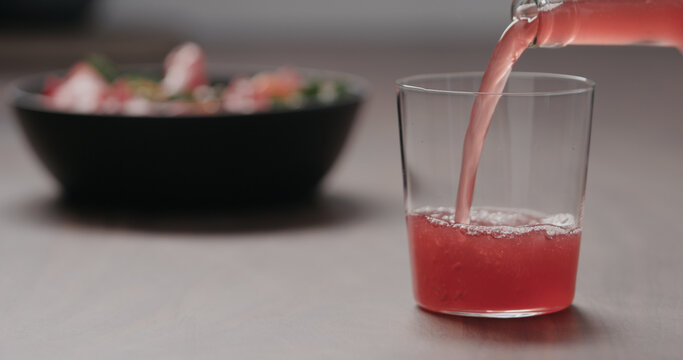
x=222, y=159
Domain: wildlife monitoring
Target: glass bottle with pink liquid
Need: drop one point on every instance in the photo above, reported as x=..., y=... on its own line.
x=510, y=152
x=604, y=22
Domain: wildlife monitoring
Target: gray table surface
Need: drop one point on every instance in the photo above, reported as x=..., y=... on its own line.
x=332, y=281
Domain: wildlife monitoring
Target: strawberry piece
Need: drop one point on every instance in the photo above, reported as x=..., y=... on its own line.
x=52, y=82
x=82, y=90
x=281, y=83
x=241, y=96
x=185, y=69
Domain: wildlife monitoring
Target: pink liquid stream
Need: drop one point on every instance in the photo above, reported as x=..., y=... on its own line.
x=512, y=44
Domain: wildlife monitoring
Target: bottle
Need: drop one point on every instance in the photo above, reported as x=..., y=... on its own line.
x=603, y=22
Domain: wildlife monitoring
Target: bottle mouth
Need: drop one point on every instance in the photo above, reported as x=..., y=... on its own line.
x=524, y=10
x=531, y=10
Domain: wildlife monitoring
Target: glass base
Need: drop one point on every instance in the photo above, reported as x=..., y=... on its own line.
x=496, y=314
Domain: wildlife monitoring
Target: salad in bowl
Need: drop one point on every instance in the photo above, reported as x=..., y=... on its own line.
x=96, y=85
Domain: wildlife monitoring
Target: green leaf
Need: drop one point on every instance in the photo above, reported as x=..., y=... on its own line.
x=342, y=89
x=134, y=77
x=278, y=104
x=104, y=66
x=185, y=96
x=310, y=91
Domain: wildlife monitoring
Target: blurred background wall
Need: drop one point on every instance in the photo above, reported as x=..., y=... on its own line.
x=306, y=21
x=271, y=21
x=52, y=33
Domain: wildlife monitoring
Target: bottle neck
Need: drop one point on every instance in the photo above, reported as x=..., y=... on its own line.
x=598, y=22
x=557, y=20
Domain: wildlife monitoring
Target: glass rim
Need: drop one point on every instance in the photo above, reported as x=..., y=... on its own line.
x=583, y=84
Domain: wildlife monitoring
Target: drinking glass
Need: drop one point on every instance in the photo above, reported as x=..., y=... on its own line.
x=518, y=256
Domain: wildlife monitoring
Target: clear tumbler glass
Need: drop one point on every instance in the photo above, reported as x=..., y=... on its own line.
x=518, y=256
